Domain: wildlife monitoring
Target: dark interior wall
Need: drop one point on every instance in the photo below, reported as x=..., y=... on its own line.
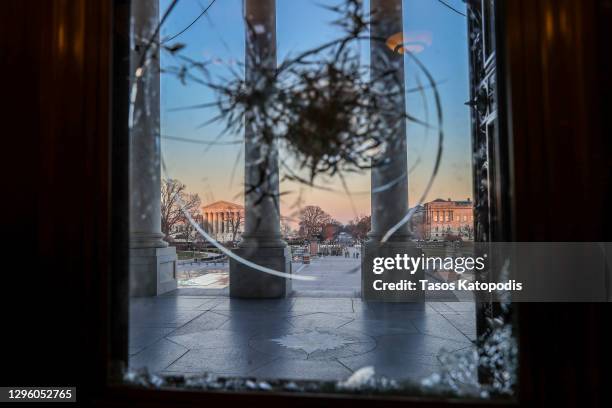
x=56, y=66
x=557, y=77
x=556, y=80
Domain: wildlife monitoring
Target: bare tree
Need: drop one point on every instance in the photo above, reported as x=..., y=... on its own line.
x=174, y=200
x=191, y=233
x=330, y=230
x=235, y=222
x=360, y=226
x=312, y=220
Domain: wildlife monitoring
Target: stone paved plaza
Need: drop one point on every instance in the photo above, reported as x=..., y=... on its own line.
x=336, y=276
x=323, y=338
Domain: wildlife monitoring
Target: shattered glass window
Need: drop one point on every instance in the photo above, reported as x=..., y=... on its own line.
x=281, y=152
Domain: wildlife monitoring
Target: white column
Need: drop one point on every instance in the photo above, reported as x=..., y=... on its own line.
x=262, y=218
x=261, y=243
x=390, y=205
x=152, y=262
x=389, y=174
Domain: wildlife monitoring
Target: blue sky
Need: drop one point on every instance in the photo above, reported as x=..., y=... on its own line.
x=217, y=173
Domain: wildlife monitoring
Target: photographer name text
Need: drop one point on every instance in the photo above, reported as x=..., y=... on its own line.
x=458, y=265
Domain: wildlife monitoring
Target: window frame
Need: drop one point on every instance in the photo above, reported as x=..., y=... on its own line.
x=537, y=381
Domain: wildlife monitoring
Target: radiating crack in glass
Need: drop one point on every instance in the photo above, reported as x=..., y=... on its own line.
x=336, y=84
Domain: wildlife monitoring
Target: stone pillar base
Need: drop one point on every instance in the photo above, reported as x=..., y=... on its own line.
x=246, y=282
x=152, y=271
x=373, y=249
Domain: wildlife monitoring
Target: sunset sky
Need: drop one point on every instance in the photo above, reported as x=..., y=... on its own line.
x=216, y=172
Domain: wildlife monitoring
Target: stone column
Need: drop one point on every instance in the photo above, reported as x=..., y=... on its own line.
x=431, y=223
x=228, y=216
x=152, y=261
x=261, y=243
x=389, y=172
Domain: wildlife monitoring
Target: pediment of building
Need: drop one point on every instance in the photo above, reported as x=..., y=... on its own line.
x=222, y=206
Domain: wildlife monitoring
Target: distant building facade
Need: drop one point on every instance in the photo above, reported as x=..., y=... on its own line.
x=223, y=220
x=442, y=219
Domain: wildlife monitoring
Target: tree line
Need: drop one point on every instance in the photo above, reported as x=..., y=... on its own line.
x=313, y=221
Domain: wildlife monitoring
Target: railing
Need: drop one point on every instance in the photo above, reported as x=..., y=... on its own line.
x=218, y=259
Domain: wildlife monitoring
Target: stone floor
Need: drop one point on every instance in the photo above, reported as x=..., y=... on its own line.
x=321, y=338
x=336, y=276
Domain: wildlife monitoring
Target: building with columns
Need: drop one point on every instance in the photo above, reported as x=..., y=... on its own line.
x=447, y=217
x=223, y=220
